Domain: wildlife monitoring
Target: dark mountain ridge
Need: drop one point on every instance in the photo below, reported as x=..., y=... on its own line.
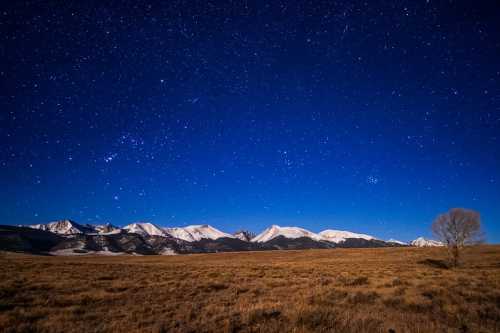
x=45, y=239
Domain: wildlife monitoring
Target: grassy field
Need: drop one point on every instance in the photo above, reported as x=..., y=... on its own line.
x=339, y=290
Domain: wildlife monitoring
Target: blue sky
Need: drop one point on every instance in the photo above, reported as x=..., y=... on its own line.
x=341, y=115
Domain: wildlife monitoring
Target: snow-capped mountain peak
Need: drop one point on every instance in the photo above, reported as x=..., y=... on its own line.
x=205, y=231
x=244, y=235
x=106, y=228
x=144, y=229
x=179, y=233
x=338, y=236
x=422, y=242
x=395, y=241
x=288, y=232
x=198, y=232
x=62, y=227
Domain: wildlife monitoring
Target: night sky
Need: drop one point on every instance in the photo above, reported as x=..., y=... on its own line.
x=366, y=116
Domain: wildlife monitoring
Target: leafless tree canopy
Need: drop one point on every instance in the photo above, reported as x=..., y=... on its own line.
x=457, y=228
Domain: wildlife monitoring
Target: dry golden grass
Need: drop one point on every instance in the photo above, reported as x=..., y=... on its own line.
x=339, y=290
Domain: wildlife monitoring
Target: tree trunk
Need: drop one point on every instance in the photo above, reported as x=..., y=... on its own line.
x=455, y=253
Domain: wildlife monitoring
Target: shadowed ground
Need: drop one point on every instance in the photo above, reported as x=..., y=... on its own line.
x=339, y=290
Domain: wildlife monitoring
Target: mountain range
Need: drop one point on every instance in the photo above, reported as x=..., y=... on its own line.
x=67, y=237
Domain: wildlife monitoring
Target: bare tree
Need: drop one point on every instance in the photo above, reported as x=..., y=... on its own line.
x=458, y=228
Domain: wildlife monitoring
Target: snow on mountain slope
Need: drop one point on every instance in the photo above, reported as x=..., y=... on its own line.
x=422, y=242
x=338, y=236
x=395, y=241
x=107, y=229
x=68, y=227
x=244, y=235
x=205, y=231
x=62, y=227
x=197, y=232
x=179, y=233
x=36, y=226
x=144, y=229
x=167, y=252
x=288, y=232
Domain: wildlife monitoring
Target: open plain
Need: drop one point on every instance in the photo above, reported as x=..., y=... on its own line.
x=335, y=290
